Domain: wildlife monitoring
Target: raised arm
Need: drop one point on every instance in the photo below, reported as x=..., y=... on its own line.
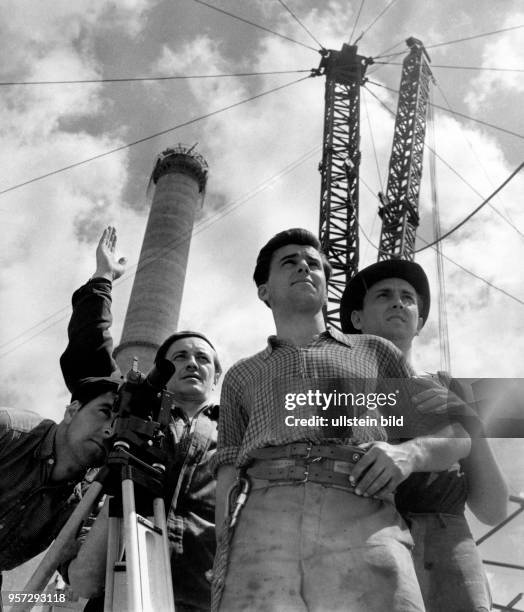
x=90, y=346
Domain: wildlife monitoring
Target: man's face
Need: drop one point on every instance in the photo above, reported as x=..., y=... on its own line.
x=296, y=280
x=195, y=374
x=89, y=429
x=390, y=310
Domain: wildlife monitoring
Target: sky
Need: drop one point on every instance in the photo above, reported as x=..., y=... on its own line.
x=263, y=168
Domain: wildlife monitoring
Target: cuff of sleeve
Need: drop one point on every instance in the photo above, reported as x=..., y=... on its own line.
x=99, y=279
x=224, y=456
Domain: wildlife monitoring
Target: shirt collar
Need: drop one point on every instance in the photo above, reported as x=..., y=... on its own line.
x=46, y=450
x=273, y=342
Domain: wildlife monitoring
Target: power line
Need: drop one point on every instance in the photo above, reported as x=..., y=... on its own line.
x=356, y=20
x=373, y=143
x=199, y=227
x=491, y=125
x=458, y=67
x=301, y=24
x=146, y=138
x=449, y=166
x=457, y=40
x=472, y=148
x=477, y=276
x=376, y=19
x=256, y=25
x=473, y=212
x=158, y=78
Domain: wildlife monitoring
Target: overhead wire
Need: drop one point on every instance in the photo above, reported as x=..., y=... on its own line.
x=457, y=67
x=445, y=354
x=200, y=226
x=388, y=6
x=373, y=143
x=146, y=138
x=426, y=145
x=356, y=20
x=158, y=78
x=474, y=152
x=486, y=123
x=256, y=25
x=466, y=270
x=473, y=212
x=457, y=40
x=301, y=24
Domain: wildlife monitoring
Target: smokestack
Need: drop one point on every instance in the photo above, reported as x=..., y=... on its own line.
x=179, y=177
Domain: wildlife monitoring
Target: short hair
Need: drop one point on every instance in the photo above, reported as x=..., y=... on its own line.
x=294, y=235
x=164, y=347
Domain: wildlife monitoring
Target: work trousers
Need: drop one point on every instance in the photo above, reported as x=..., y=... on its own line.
x=309, y=547
x=448, y=564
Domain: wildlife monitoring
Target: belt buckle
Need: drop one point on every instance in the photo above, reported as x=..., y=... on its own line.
x=307, y=462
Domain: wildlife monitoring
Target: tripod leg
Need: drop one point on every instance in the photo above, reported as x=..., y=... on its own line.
x=134, y=591
x=161, y=523
x=53, y=557
x=113, y=591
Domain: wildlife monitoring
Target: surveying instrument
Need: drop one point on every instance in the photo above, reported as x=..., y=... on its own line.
x=138, y=571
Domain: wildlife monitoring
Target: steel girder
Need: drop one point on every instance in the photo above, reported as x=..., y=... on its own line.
x=339, y=169
x=399, y=210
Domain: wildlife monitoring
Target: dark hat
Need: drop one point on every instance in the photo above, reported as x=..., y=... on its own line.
x=356, y=289
x=295, y=235
x=86, y=389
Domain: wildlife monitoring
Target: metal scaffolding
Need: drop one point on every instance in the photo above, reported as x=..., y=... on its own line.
x=338, y=232
x=399, y=210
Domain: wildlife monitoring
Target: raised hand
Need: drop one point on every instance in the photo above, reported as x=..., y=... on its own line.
x=107, y=266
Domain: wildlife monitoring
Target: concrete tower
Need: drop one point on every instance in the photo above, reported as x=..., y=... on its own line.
x=179, y=177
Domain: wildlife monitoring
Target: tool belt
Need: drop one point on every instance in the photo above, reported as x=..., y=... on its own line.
x=303, y=462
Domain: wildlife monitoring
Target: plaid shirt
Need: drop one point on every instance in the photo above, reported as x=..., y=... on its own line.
x=252, y=404
x=32, y=508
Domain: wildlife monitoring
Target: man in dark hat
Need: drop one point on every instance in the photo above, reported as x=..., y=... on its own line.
x=42, y=461
x=190, y=439
x=310, y=536
x=391, y=299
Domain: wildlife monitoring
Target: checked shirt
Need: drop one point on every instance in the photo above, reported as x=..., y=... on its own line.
x=252, y=404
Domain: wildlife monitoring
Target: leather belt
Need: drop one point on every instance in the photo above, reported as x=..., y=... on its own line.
x=309, y=451
x=300, y=463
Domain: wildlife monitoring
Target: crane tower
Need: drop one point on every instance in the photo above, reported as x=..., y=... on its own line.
x=399, y=205
x=338, y=233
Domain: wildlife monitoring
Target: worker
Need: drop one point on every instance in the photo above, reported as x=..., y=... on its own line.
x=312, y=534
x=391, y=299
x=190, y=439
x=41, y=462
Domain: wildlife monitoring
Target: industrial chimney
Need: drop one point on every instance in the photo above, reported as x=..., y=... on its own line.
x=179, y=179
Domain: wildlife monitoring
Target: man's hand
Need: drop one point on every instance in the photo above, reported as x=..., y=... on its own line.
x=381, y=469
x=107, y=265
x=437, y=399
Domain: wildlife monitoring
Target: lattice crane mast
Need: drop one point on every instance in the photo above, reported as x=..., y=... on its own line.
x=338, y=233
x=399, y=205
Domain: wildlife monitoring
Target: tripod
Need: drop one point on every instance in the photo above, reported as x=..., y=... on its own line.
x=138, y=574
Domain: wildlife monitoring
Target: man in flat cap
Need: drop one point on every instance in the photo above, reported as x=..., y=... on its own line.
x=391, y=299
x=311, y=535
x=41, y=462
x=190, y=440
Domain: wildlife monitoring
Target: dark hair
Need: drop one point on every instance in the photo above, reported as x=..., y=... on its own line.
x=164, y=347
x=294, y=235
x=87, y=389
